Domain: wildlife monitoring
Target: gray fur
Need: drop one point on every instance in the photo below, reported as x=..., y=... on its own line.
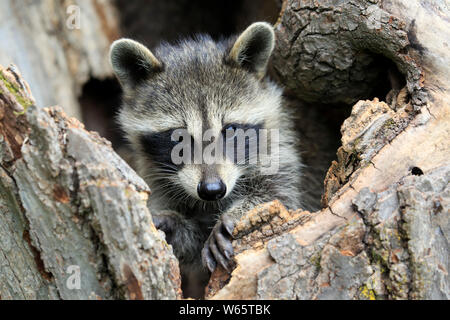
x=203, y=83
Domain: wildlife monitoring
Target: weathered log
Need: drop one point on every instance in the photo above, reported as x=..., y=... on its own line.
x=70, y=207
x=384, y=230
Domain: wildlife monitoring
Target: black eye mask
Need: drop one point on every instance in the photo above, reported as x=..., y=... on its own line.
x=158, y=145
x=231, y=130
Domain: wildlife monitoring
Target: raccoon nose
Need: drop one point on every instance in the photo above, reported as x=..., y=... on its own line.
x=211, y=191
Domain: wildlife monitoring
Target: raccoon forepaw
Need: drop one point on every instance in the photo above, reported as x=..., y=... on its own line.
x=218, y=248
x=167, y=224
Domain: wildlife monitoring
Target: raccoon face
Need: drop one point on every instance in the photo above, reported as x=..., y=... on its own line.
x=194, y=96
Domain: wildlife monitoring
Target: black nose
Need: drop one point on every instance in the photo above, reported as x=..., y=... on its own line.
x=211, y=191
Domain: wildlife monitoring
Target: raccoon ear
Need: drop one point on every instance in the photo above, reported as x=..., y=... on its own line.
x=132, y=62
x=253, y=48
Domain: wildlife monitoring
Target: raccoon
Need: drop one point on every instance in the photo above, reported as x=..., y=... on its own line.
x=200, y=84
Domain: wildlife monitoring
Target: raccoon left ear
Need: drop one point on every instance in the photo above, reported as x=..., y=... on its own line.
x=132, y=62
x=253, y=48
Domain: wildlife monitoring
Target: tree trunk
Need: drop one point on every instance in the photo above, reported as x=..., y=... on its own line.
x=383, y=232
x=74, y=223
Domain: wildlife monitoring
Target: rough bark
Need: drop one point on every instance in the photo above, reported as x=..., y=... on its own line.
x=56, y=58
x=68, y=200
x=330, y=51
x=383, y=232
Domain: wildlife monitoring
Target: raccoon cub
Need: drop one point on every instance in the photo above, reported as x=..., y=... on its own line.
x=200, y=85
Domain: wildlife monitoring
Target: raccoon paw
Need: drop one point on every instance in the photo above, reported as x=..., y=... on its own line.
x=167, y=224
x=218, y=247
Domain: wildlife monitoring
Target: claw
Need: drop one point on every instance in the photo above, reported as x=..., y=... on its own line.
x=225, y=245
x=228, y=224
x=157, y=221
x=217, y=255
x=218, y=247
x=208, y=260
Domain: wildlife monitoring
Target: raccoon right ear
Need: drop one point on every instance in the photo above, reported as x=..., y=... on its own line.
x=132, y=62
x=253, y=48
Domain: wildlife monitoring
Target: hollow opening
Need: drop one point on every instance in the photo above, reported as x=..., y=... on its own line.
x=389, y=78
x=416, y=171
x=319, y=125
x=99, y=101
x=154, y=21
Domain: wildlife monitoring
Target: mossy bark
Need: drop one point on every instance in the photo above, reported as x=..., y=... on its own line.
x=72, y=210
